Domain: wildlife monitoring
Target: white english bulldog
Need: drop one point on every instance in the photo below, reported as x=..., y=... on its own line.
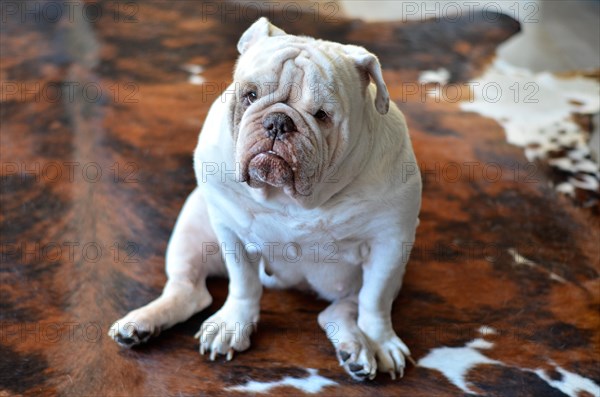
x=306, y=179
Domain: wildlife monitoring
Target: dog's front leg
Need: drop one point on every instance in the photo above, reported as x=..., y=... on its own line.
x=229, y=329
x=382, y=279
x=185, y=292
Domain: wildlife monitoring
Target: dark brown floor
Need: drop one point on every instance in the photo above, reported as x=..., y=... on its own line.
x=59, y=293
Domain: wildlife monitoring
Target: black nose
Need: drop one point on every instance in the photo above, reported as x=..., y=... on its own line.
x=278, y=124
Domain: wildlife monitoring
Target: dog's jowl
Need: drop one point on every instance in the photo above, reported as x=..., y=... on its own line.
x=306, y=179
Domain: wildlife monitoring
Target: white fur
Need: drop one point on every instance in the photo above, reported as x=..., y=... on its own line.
x=348, y=240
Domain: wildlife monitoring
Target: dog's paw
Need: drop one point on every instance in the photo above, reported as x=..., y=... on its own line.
x=228, y=330
x=391, y=354
x=357, y=358
x=133, y=329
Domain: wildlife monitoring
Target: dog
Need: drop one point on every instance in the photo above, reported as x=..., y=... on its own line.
x=306, y=179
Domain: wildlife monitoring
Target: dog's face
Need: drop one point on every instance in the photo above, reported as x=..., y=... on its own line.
x=299, y=110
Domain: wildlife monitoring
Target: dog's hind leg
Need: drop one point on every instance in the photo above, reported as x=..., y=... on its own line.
x=192, y=255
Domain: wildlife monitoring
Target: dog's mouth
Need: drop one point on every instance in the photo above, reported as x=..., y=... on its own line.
x=268, y=168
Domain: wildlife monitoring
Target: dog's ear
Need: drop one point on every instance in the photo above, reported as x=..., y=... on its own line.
x=368, y=64
x=259, y=29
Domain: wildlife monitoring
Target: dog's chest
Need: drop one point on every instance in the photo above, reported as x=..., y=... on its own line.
x=287, y=237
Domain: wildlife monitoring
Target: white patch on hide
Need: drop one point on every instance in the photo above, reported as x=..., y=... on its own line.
x=536, y=111
x=571, y=384
x=456, y=362
x=194, y=70
x=487, y=330
x=521, y=260
x=440, y=76
x=312, y=384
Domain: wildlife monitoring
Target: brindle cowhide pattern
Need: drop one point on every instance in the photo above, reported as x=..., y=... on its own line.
x=99, y=121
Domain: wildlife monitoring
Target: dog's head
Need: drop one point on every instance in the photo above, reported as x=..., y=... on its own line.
x=300, y=112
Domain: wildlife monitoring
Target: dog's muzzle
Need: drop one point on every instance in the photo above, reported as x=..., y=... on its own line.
x=269, y=167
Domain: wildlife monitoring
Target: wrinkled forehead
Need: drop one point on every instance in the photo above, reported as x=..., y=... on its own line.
x=298, y=67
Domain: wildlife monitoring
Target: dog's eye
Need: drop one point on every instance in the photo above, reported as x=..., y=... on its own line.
x=321, y=115
x=249, y=97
